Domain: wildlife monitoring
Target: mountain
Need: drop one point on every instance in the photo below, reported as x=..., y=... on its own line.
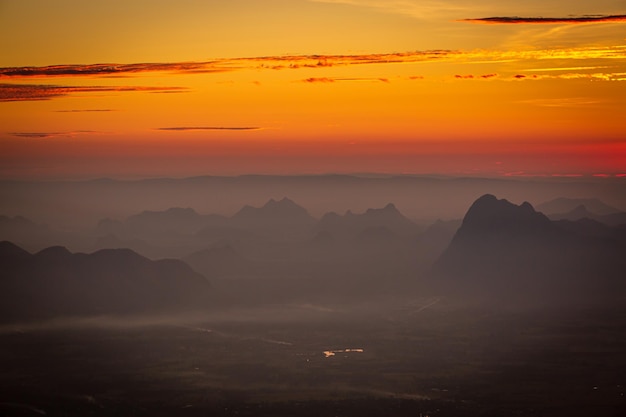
x=173, y=221
x=581, y=212
x=564, y=205
x=55, y=282
x=508, y=250
x=283, y=217
x=380, y=222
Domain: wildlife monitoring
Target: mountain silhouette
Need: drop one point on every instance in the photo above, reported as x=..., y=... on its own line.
x=512, y=250
x=56, y=282
x=564, y=205
x=581, y=212
x=382, y=221
x=173, y=221
x=283, y=217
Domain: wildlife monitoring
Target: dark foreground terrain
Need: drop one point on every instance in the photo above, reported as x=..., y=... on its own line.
x=425, y=357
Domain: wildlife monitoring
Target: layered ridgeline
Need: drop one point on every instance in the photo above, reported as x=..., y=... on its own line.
x=383, y=221
x=503, y=249
x=55, y=282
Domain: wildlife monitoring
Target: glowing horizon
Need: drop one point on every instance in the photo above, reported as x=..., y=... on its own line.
x=421, y=91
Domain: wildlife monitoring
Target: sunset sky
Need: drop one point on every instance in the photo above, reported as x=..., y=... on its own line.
x=145, y=88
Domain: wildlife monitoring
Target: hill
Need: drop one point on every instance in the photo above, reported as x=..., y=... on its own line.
x=55, y=282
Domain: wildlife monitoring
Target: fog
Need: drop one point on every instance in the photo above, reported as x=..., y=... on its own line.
x=326, y=295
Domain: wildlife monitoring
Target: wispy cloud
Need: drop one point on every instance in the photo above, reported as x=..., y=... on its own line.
x=110, y=69
x=199, y=128
x=547, y=20
x=472, y=76
x=332, y=80
x=267, y=62
x=598, y=76
x=84, y=110
x=562, y=102
x=33, y=135
x=28, y=92
x=294, y=62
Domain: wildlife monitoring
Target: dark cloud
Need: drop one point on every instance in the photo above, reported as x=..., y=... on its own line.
x=109, y=69
x=28, y=92
x=221, y=65
x=472, y=76
x=319, y=80
x=548, y=20
x=83, y=110
x=196, y=128
x=50, y=134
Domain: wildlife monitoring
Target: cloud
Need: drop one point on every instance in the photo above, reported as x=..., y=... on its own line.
x=110, y=69
x=319, y=80
x=332, y=80
x=294, y=62
x=548, y=20
x=51, y=134
x=199, y=128
x=279, y=62
x=562, y=102
x=598, y=76
x=83, y=110
x=29, y=92
x=472, y=76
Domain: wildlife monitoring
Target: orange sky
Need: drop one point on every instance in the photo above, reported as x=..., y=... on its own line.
x=157, y=88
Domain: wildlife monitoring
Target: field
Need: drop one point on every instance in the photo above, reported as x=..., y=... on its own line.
x=394, y=358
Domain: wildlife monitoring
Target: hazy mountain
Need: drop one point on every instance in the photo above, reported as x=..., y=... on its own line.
x=381, y=222
x=435, y=239
x=565, y=205
x=26, y=232
x=581, y=212
x=56, y=282
x=421, y=197
x=281, y=218
x=514, y=251
x=173, y=221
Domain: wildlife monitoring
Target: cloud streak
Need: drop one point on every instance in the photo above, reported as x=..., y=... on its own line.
x=547, y=20
x=84, y=111
x=109, y=69
x=222, y=65
x=43, y=135
x=201, y=128
x=294, y=62
x=30, y=92
x=324, y=80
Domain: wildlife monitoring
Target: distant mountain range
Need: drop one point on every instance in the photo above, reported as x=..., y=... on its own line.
x=512, y=250
x=564, y=205
x=373, y=221
x=55, y=282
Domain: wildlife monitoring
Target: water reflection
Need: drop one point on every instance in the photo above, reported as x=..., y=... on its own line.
x=329, y=353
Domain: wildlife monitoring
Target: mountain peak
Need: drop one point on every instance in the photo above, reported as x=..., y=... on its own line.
x=488, y=213
x=54, y=252
x=284, y=202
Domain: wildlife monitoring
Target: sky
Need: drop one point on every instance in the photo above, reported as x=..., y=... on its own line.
x=153, y=88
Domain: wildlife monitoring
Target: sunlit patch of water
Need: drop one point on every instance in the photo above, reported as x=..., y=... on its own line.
x=329, y=353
